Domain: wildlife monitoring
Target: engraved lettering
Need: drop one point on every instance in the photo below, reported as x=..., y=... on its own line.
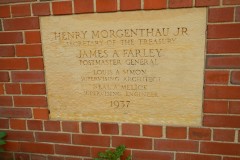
x=181, y=31
x=69, y=35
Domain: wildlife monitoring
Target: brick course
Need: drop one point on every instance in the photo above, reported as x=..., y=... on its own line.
x=24, y=113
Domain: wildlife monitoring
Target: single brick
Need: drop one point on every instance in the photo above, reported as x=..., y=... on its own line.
x=213, y=106
x=109, y=128
x=15, y=112
x=35, y=125
x=20, y=10
x=231, y=158
x=36, y=64
x=235, y=77
x=126, y=5
x=220, y=148
x=70, y=158
x=33, y=147
x=201, y=3
x=7, y=51
x=22, y=156
x=28, y=76
x=15, y=1
x=41, y=9
x=12, y=146
x=176, y=145
x=176, y=132
x=1, y=88
x=30, y=101
x=231, y=2
x=83, y=6
x=237, y=14
x=1, y=27
x=133, y=142
x=53, y=137
x=68, y=126
x=38, y=157
x=72, y=150
x=12, y=88
x=4, y=123
x=60, y=8
x=224, y=31
x=221, y=14
x=52, y=125
x=7, y=155
x=4, y=11
x=4, y=77
x=37, y=89
x=155, y=4
x=90, y=127
x=222, y=92
x=106, y=5
x=50, y=157
x=234, y=107
x=18, y=124
x=26, y=23
x=221, y=121
x=200, y=133
x=223, y=46
x=29, y=50
x=152, y=131
x=20, y=136
x=91, y=140
x=152, y=155
x=13, y=64
x=42, y=114
x=223, y=135
x=10, y=37
x=180, y=3
x=223, y=62
x=6, y=101
x=131, y=129
x=216, y=77
x=187, y=156
x=32, y=37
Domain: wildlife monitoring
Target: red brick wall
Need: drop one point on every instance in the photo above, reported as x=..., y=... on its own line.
x=23, y=101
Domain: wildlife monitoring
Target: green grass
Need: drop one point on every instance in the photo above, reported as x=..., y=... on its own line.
x=112, y=154
x=2, y=141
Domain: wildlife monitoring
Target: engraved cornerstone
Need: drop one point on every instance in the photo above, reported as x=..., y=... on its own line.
x=135, y=67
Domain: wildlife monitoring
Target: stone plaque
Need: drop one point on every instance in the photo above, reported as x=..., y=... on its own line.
x=135, y=67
